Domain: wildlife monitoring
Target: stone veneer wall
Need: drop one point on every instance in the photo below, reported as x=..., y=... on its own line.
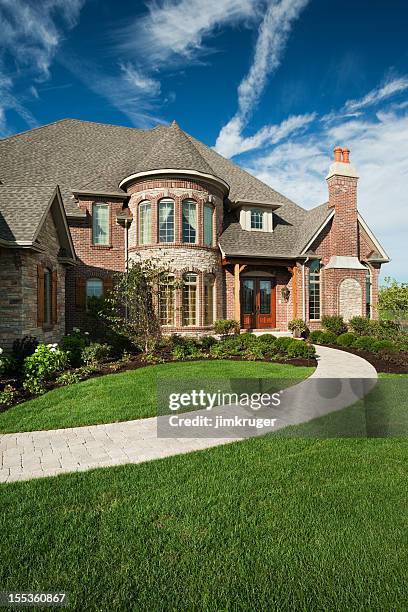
x=18, y=275
x=178, y=256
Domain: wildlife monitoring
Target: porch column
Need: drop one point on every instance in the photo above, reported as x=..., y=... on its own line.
x=294, y=270
x=237, y=294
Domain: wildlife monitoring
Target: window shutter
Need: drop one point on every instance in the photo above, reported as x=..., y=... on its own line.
x=40, y=296
x=107, y=285
x=54, y=298
x=80, y=294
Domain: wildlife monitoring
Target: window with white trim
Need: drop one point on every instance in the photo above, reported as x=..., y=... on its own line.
x=189, y=299
x=189, y=215
x=145, y=222
x=100, y=224
x=166, y=220
x=314, y=290
x=257, y=219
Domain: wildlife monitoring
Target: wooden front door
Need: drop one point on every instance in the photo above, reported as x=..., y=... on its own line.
x=258, y=303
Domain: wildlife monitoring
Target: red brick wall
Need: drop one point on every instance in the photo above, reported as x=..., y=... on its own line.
x=94, y=261
x=343, y=198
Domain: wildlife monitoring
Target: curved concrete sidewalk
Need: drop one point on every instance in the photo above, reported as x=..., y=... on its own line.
x=50, y=453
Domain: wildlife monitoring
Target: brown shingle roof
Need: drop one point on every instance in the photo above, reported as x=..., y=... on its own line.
x=80, y=155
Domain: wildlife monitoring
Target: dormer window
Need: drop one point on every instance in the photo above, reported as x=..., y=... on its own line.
x=257, y=219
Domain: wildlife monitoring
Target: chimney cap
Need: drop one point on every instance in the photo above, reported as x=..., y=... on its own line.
x=338, y=151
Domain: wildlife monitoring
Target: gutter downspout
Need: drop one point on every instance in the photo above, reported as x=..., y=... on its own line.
x=304, y=288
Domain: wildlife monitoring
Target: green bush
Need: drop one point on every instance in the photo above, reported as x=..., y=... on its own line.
x=255, y=352
x=206, y=342
x=7, y=364
x=7, y=396
x=248, y=339
x=186, y=350
x=347, y=339
x=299, y=326
x=42, y=366
x=21, y=349
x=365, y=343
x=68, y=378
x=95, y=353
x=301, y=350
x=334, y=324
x=225, y=327
x=315, y=336
x=229, y=347
x=266, y=339
x=73, y=344
x=360, y=326
x=281, y=345
x=327, y=337
x=384, y=345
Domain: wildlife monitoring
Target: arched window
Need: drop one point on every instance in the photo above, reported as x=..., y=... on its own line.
x=190, y=299
x=166, y=220
x=208, y=224
x=47, y=296
x=257, y=219
x=166, y=300
x=145, y=222
x=209, y=283
x=189, y=221
x=314, y=290
x=100, y=223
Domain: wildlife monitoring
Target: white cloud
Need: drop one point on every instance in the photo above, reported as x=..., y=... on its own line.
x=30, y=33
x=272, y=38
x=8, y=102
x=379, y=150
x=375, y=96
x=140, y=81
x=176, y=28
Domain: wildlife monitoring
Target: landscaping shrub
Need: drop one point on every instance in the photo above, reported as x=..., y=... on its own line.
x=281, y=345
x=256, y=352
x=7, y=396
x=334, y=324
x=68, y=378
x=73, y=344
x=225, y=327
x=384, y=345
x=187, y=349
x=95, y=353
x=300, y=350
x=315, y=336
x=360, y=326
x=299, y=327
x=248, y=339
x=347, y=339
x=327, y=337
x=21, y=349
x=206, y=342
x=40, y=367
x=365, y=343
x=230, y=347
x=266, y=339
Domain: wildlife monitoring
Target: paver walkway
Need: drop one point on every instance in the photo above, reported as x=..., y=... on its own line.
x=49, y=453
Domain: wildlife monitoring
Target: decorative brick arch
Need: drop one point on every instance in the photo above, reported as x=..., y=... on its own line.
x=350, y=298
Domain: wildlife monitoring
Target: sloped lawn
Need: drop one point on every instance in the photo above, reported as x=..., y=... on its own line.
x=129, y=395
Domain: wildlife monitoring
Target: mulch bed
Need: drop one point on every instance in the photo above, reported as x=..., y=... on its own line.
x=388, y=366
x=136, y=363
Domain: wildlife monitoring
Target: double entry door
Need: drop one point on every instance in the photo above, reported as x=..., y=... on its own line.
x=258, y=302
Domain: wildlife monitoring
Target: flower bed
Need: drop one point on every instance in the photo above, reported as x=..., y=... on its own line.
x=77, y=358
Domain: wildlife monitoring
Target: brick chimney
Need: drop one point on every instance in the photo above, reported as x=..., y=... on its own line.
x=342, y=182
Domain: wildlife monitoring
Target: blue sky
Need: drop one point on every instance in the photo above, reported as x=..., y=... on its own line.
x=272, y=84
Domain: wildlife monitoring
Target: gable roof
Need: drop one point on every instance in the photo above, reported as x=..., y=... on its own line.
x=23, y=210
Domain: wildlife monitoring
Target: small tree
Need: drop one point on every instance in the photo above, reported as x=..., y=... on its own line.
x=393, y=301
x=131, y=308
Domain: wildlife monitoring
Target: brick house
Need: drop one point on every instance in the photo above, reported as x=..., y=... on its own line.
x=79, y=201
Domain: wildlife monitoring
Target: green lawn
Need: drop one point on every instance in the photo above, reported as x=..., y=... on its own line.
x=264, y=524
x=129, y=395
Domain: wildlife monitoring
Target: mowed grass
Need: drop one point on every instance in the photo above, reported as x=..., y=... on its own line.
x=264, y=524
x=128, y=395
